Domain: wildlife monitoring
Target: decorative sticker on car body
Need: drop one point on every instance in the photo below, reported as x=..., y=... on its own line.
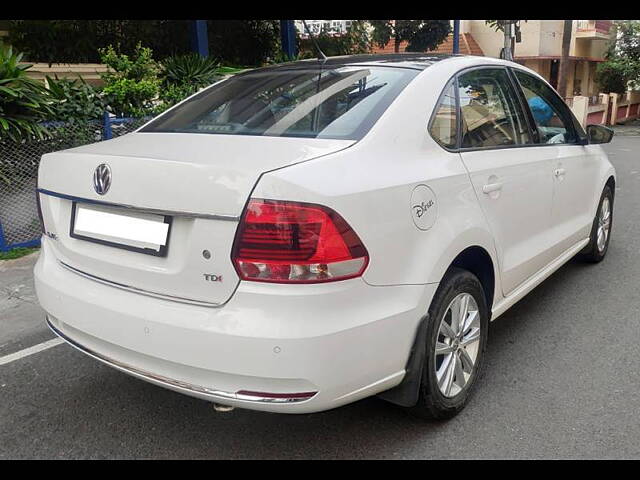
x=423, y=207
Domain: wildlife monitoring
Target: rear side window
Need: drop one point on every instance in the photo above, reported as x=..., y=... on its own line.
x=550, y=114
x=444, y=125
x=315, y=102
x=491, y=113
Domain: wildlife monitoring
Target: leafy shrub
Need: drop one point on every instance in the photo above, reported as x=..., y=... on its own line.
x=56, y=41
x=79, y=41
x=244, y=42
x=612, y=76
x=131, y=84
x=627, y=40
x=23, y=101
x=241, y=42
x=621, y=69
x=74, y=100
x=358, y=39
x=172, y=94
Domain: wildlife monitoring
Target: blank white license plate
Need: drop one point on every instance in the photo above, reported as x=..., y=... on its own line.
x=118, y=227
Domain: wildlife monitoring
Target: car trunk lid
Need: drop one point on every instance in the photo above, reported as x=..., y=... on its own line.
x=200, y=181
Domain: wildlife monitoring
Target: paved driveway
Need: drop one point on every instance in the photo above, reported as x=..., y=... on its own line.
x=562, y=380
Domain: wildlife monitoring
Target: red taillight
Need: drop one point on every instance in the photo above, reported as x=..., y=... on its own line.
x=289, y=242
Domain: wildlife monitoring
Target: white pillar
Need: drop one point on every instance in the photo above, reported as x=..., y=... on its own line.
x=614, y=107
x=580, y=108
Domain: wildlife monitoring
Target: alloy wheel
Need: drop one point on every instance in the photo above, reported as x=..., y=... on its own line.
x=457, y=345
x=604, y=224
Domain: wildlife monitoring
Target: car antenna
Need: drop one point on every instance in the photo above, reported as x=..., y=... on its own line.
x=321, y=55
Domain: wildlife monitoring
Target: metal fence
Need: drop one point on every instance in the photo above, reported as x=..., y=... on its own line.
x=19, y=223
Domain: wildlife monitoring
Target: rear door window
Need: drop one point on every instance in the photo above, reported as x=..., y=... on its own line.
x=491, y=112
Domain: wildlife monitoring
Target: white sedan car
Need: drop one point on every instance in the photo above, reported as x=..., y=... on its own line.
x=299, y=237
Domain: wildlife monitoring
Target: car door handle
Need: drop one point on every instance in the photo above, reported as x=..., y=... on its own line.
x=492, y=187
x=559, y=172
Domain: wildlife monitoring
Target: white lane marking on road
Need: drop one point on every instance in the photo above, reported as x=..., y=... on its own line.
x=30, y=351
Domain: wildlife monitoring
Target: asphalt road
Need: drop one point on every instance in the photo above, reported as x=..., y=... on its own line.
x=562, y=380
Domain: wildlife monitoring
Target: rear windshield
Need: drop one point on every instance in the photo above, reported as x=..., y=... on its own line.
x=339, y=103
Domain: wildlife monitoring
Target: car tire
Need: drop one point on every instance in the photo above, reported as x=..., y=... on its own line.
x=594, y=251
x=434, y=402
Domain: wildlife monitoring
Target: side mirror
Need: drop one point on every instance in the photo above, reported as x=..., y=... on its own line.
x=599, y=134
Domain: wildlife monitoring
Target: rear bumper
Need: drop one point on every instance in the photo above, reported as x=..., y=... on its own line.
x=344, y=341
x=172, y=383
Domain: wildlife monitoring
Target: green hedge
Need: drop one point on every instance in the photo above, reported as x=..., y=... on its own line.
x=239, y=42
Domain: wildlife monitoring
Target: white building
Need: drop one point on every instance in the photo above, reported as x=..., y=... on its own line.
x=334, y=27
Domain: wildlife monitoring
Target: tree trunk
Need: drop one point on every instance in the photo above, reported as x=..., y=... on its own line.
x=396, y=44
x=507, y=53
x=564, y=59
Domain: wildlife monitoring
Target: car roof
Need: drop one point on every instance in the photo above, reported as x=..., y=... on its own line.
x=417, y=61
x=414, y=61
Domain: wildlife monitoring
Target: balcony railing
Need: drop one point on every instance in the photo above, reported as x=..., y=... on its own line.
x=596, y=26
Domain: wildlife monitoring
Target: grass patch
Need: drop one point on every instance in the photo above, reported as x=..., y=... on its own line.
x=17, y=253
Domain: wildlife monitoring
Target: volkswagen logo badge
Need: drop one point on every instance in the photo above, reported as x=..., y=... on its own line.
x=102, y=179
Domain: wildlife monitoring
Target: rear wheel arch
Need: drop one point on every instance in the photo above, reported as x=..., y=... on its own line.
x=474, y=259
x=477, y=260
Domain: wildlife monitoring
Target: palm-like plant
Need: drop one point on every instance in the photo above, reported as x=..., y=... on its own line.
x=23, y=101
x=184, y=75
x=192, y=69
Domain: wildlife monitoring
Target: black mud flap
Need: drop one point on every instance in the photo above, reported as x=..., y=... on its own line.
x=407, y=392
